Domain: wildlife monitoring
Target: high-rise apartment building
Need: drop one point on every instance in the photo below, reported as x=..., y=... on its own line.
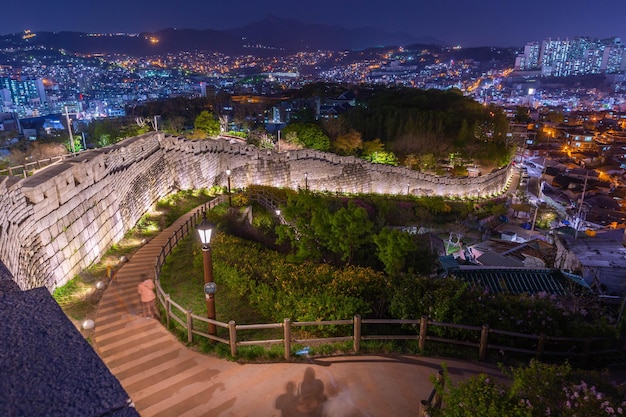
x=24, y=92
x=578, y=56
x=529, y=60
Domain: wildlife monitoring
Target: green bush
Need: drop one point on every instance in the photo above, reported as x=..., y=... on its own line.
x=535, y=390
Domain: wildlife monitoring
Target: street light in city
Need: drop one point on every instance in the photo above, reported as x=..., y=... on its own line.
x=230, y=202
x=205, y=230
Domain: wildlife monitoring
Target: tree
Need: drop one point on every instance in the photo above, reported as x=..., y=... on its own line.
x=333, y=127
x=349, y=143
x=291, y=137
x=411, y=161
x=393, y=246
x=522, y=114
x=207, y=123
x=465, y=134
x=174, y=125
x=385, y=158
x=104, y=140
x=555, y=117
x=374, y=152
x=307, y=234
x=350, y=229
x=104, y=128
x=308, y=135
x=317, y=230
x=427, y=162
x=372, y=146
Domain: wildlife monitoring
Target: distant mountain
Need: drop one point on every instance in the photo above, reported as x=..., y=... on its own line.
x=293, y=35
x=270, y=36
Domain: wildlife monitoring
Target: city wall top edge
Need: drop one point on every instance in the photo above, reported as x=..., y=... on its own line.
x=60, y=220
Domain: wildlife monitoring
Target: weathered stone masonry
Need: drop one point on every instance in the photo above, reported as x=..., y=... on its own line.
x=62, y=219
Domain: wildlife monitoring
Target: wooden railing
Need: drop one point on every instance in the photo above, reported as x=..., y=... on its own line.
x=434, y=399
x=478, y=336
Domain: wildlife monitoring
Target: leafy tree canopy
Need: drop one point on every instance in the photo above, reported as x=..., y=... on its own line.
x=207, y=123
x=308, y=135
x=349, y=143
x=374, y=152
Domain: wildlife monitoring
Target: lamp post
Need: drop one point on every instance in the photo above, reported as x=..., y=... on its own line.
x=306, y=181
x=230, y=202
x=205, y=229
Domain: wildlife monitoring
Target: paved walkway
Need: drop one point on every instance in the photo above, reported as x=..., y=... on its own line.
x=165, y=378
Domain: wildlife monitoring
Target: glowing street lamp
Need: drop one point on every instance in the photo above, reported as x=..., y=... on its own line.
x=205, y=230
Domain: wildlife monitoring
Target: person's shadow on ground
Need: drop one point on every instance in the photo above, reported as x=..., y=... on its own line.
x=307, y=401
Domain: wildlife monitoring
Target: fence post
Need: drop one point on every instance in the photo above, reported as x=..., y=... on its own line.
x=287, y=337
x=541, y=345
x=424, y=409
x=189, y=327
x=484, y=337
x=423, y=330
x=167, y=309
x=232, y=337
x=439, y=386
x=357, y=334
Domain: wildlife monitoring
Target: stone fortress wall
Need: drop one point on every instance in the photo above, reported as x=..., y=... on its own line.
x=62, y=219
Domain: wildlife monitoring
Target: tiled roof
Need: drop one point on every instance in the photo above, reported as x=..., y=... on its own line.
x=518, y=280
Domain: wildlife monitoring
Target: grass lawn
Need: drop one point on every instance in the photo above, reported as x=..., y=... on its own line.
x=79, y=297
x=182, y=277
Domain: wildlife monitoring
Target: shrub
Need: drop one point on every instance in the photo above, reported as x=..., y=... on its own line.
x=536, y=390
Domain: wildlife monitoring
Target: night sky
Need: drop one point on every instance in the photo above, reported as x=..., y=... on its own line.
x=463, y=22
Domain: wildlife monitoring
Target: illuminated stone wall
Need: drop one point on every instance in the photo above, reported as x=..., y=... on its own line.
x=62, y=219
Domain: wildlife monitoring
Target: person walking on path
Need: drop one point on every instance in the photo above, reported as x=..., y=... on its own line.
x=146, y=293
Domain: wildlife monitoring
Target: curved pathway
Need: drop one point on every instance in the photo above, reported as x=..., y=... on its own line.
x=165, y=378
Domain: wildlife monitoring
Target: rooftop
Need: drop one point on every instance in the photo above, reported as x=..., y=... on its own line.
x=48, y=368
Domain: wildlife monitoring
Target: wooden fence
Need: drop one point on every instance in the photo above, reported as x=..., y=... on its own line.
x=477, y=337
x=434, y=399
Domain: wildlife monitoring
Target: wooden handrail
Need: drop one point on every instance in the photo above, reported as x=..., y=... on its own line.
x=482, y=333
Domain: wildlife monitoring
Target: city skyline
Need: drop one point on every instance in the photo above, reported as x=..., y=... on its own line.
x=452, y=22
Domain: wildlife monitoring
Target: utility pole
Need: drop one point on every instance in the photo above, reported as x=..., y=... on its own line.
x=532, y=229
x=69, y=129
x=580, y=207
